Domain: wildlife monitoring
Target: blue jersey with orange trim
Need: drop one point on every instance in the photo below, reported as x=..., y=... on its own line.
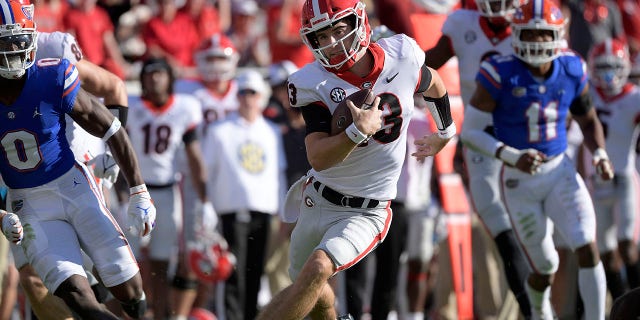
x=34, y=147
x=530, y=112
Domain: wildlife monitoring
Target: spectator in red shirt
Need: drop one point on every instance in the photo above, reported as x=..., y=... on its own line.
x=284, y=39
x=630, y=10
x=171, y=34
x=94, y=32
x=208, y=19
x=49, y=14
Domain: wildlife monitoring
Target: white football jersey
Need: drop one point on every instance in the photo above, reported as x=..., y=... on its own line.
x=620, y=117
x=214, y=107
x=63, y=45
x=372, y=169
x=472, y=41
x=156, y=134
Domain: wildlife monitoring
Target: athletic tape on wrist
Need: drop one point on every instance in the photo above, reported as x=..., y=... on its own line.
x=115, y=126
x=138, y=189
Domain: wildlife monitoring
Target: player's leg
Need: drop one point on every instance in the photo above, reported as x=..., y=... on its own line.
x=102, y=240
x=44, y=304
x=626, y=191
x=355, y=279
x=163, y=246
x=524, y=196
x=259, y=229
x=187, y=291
x=298, y=299
x=326, y=239
x=420, y=247
x=484, y=187
x=385, y=285
x=604, y=203
x=570, y=206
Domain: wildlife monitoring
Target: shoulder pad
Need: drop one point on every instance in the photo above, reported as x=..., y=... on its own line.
x=574, y=65
x=398, y=45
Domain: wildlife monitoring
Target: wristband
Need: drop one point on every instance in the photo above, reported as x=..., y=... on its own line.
x=508, y=154
x=138, y=189
x=354, y=134
x=115, y=126
x=449, y=132
x=600, y=154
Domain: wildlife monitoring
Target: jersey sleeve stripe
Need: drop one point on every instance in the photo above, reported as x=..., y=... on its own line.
x=71, y=80
x=485, y=74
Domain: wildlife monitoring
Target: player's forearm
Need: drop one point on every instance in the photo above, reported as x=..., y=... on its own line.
x=592, y=131
x=126, y=158
x=473, y=134
x=325, y=151
x=198, y=176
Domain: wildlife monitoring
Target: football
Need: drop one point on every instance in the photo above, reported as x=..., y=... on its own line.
x=342, y=115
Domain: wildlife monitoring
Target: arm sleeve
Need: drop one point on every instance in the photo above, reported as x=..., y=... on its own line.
x=317, y=118
x=473, y=134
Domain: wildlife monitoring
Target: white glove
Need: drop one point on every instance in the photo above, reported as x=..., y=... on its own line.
x=12, y=228
x=603, y=165
x=206, y=217
x=142, y=212
x=105, y=167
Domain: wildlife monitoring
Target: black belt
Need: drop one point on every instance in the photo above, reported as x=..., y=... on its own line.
x=160, y=186
x=340, y=199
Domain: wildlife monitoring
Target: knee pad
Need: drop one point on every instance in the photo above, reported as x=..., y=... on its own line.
x=183, y=283
x=135, y=309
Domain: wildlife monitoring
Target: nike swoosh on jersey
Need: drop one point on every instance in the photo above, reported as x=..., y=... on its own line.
x=389, y=79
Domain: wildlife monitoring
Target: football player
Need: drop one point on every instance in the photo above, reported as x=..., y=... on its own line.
x=617, y=104
x=472, y=36
x=86, y=148
x=343, y=203
x=529, y=94
x=160, y=122
x=216, y=90
x=53, y=193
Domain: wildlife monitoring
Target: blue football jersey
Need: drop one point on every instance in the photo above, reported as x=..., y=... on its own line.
x=530, y=112
x=32, y=129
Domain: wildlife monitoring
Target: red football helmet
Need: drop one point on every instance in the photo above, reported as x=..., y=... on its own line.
x=210, y=258
x=609, y=65
x=201, y=314
x=217, y=58
x=538, y=15
x=321, y=14
x=498, y=11
x=18, y=38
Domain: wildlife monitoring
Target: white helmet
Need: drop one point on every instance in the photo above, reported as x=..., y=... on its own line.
x=217, y=58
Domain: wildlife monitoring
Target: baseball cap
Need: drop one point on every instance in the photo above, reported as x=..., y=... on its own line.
x=251, y=79
x=245, y=7
x=279, y=72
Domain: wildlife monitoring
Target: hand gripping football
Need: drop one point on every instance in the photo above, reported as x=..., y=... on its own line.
x=342, y=117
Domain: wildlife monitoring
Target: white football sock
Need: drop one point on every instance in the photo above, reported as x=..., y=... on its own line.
x=593, y=290
x=415, y=316
x=540, y=302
